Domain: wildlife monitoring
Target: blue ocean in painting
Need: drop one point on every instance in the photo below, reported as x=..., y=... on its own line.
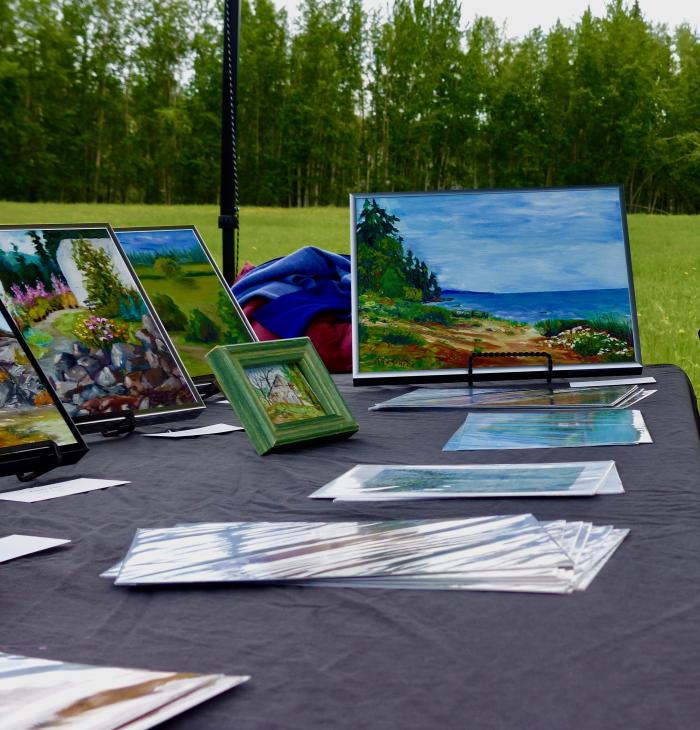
x=532, y=307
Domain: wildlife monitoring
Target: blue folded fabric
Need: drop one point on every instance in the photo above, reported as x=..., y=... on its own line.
x=290, y=314
x=304, y=269
x=299, y=286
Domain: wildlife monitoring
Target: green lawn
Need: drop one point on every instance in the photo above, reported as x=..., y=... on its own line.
x=665, y=254
x=265, y=233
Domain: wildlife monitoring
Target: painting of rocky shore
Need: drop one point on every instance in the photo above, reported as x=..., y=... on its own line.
x=27, y=411
x=88, y=324
x=442, y=276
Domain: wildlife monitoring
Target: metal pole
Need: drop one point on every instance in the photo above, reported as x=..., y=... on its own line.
x=228, y=218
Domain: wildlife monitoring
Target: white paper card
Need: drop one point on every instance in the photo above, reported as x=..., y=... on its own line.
x=15, y=546
x=59, y=489
x=203, y=431
x=614, y=381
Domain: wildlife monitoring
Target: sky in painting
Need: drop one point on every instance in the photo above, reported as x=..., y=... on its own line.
x=20, y=238
x=154, y=241
x=516, y=241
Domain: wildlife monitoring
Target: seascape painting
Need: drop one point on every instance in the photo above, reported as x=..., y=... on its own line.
x=540, y=430
x=27, y=411
x=189, y=295
x=441, y=276
x=80, y=310
x=284, y=393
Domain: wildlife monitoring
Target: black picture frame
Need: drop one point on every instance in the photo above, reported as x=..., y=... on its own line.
x=38, y=457
x=124, y=419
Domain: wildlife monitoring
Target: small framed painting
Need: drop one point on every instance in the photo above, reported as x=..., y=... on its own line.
x=495, y=276
x=187, y=291
x=282, y=393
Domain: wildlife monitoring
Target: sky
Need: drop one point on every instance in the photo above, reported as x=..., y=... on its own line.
x=521, y=16
x=149, y=241
x=516, y=241
x=19, y=237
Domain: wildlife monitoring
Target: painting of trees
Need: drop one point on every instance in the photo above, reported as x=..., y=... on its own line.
x=383, y=266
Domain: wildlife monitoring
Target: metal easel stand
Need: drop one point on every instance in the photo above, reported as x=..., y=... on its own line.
x=474, y=356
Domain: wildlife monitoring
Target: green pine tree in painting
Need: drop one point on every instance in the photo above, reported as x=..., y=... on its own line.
x=383, y=267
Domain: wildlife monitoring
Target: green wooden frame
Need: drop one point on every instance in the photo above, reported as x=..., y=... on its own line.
x=228, y=363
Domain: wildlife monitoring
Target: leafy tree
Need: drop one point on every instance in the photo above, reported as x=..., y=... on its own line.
x=172, y=317
x=201, y=328
x=104, y=288
x=119, y=101
x=235, y=331
x=167, y=267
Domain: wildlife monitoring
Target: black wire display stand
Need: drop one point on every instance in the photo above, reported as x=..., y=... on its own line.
x=30, y=462
x=122, y=427
x=475, y=355
x=116, y=424
x=207, y=388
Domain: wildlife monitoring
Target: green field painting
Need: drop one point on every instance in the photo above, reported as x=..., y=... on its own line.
x=192, y=302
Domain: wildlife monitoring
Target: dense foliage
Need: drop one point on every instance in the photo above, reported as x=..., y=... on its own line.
x=119, y=100
x=383, y=265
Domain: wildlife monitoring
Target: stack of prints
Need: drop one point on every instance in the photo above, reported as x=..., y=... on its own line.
x=39, y=693
x=615, y=396
x=499, y=553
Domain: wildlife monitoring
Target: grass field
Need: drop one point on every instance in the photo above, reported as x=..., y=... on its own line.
x=665, y=256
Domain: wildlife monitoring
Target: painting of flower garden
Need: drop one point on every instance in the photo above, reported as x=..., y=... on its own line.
x=187, y=292
x=441, y=276
x=82, y=314
x=27, y=411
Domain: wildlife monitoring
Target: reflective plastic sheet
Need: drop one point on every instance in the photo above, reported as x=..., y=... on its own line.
x=601, y=397
x=39, y=693
x=294, y=551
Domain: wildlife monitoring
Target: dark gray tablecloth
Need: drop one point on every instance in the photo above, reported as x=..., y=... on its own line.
x=623, y=654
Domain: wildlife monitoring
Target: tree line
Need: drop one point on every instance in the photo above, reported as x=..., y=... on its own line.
x=119, y=101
